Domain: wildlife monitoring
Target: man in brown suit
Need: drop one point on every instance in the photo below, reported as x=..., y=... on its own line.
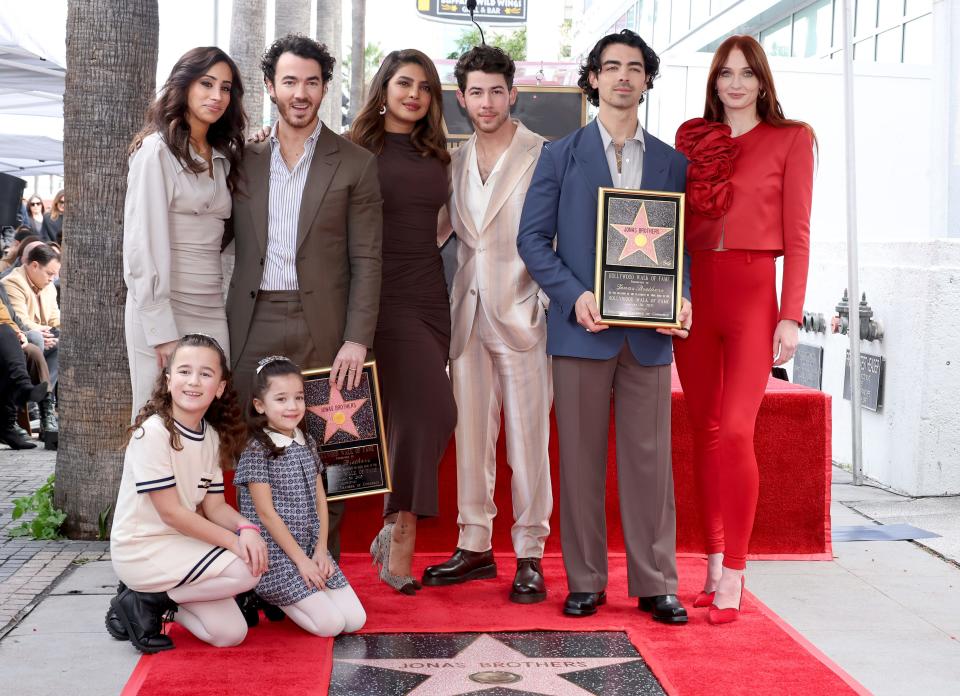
x=307, y=225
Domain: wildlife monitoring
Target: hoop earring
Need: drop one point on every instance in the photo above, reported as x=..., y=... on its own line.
x=763, y=94
x=383, y=109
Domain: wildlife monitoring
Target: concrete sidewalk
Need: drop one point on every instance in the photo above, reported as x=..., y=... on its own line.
x=887, y=612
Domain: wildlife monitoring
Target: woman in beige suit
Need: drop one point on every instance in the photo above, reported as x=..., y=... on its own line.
x=183, y=166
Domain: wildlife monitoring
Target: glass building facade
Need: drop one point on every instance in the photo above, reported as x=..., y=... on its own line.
x=885, y=31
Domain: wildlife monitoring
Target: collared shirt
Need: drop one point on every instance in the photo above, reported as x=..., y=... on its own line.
x=283, y=214
x=477, y=195
x=281, y=440
x=631, y=167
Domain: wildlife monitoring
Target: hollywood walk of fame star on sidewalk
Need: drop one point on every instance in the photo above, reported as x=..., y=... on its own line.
x=640, y=236
x=337, y=414
x=539, y=675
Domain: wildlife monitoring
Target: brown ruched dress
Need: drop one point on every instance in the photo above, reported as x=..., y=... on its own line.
x=412, y=341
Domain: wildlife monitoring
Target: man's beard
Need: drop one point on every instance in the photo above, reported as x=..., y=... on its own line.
x=297, y=118
x=492, y=126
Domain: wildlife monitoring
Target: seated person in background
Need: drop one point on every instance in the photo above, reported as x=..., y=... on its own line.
x=23, y=378
x=52, y=229
x=33, y=297
x=12, y=253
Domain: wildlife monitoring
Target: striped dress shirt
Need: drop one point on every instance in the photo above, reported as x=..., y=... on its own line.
x=283, y=215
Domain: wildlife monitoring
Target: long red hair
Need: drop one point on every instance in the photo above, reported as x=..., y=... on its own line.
x=768, y=107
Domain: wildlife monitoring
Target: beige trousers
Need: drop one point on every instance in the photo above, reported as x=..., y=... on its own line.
x=487, y=376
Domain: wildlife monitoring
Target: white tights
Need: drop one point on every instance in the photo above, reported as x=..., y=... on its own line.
x=328, y=613
x=208, y=610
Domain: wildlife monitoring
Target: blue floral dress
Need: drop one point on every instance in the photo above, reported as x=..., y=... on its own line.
x=293, y=482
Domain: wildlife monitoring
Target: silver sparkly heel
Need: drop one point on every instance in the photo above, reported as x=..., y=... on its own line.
x=380, y=552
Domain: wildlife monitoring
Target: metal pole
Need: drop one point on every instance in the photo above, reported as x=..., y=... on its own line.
x=853, y=269
x=216, y=22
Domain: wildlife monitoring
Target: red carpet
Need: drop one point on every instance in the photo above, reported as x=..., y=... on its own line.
x=756, y=655
x=793, y=445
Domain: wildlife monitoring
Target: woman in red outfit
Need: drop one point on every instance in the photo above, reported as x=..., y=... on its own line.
x=749, y=186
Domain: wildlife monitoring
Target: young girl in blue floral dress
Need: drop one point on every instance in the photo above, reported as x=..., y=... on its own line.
x=279, y=487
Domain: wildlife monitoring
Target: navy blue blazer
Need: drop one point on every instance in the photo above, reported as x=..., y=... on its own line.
x=561, y=203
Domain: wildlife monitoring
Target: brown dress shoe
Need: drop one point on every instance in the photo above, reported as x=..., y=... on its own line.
x=528, y=584
x=460, y=567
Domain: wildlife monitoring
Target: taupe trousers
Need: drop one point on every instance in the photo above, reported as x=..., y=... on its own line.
x=644, y=470
x=488, y=374
x=278, y=327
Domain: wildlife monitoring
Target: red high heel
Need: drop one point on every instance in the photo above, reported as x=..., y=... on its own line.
x=704, y=599
x=723, y=616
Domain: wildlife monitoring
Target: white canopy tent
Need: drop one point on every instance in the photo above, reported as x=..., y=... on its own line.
x=31, y=74
x=32, y=77
x=30, y=155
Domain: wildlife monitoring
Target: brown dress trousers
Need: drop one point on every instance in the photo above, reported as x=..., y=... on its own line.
x=644, y=471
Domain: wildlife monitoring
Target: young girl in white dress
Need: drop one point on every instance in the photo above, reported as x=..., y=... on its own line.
x=175, y=540
x=279, y=487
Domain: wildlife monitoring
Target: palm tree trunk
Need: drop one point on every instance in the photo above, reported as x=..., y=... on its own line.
x=108, y=87
x=290, y=17
x=329, y=29
x=358, y=57
x=248, y=25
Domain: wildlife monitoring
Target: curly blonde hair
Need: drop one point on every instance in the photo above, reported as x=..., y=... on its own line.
x=223, y=414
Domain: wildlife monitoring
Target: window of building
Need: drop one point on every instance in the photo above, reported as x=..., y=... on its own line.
x=776, y=39
x=866, y=17
x=890, y=45
x=889, y=11
x=811, y=30
x=887, y=31
x=918, y=40
x=864, y=50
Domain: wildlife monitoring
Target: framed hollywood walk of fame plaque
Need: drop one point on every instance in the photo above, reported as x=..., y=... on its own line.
x=348, y=427
x=639, y=272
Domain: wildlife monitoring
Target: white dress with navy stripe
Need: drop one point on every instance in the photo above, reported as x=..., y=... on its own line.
x=149, y=555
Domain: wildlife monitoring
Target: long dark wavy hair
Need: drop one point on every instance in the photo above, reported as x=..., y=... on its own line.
x=768, y=106
x=275, y=366
x=167, y=114
x=428, y=136
x=223, y=414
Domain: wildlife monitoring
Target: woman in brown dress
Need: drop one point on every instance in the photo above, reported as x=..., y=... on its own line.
x=401, y=123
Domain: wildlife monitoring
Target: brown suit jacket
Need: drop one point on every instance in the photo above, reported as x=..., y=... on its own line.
x=338, y=244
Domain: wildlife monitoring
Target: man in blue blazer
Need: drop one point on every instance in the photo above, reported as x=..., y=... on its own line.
x=589, y=358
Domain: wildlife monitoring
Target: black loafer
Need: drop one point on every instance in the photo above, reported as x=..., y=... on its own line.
x=460, y=567
x=664, y=608
x=584, y=603
x=528, y=584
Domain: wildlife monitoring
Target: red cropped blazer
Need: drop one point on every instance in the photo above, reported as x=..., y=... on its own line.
x=763, y=204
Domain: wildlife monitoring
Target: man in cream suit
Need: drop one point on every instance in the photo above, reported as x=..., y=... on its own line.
x=497, y=349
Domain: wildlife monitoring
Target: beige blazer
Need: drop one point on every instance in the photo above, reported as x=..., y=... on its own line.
x=34, y=310
x=488, y=265
x=338, y=244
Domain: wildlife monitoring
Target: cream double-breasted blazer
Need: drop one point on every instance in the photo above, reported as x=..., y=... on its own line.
x=489, y=268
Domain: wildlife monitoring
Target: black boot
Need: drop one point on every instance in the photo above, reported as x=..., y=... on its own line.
x=10, y=433
x=272, y=612
x=112, y=621
x=49, y=426
x=32, y=392
x=249, y=607
x=141, y=615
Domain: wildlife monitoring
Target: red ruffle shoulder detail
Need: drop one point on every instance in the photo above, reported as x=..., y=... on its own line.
x=711, y=152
